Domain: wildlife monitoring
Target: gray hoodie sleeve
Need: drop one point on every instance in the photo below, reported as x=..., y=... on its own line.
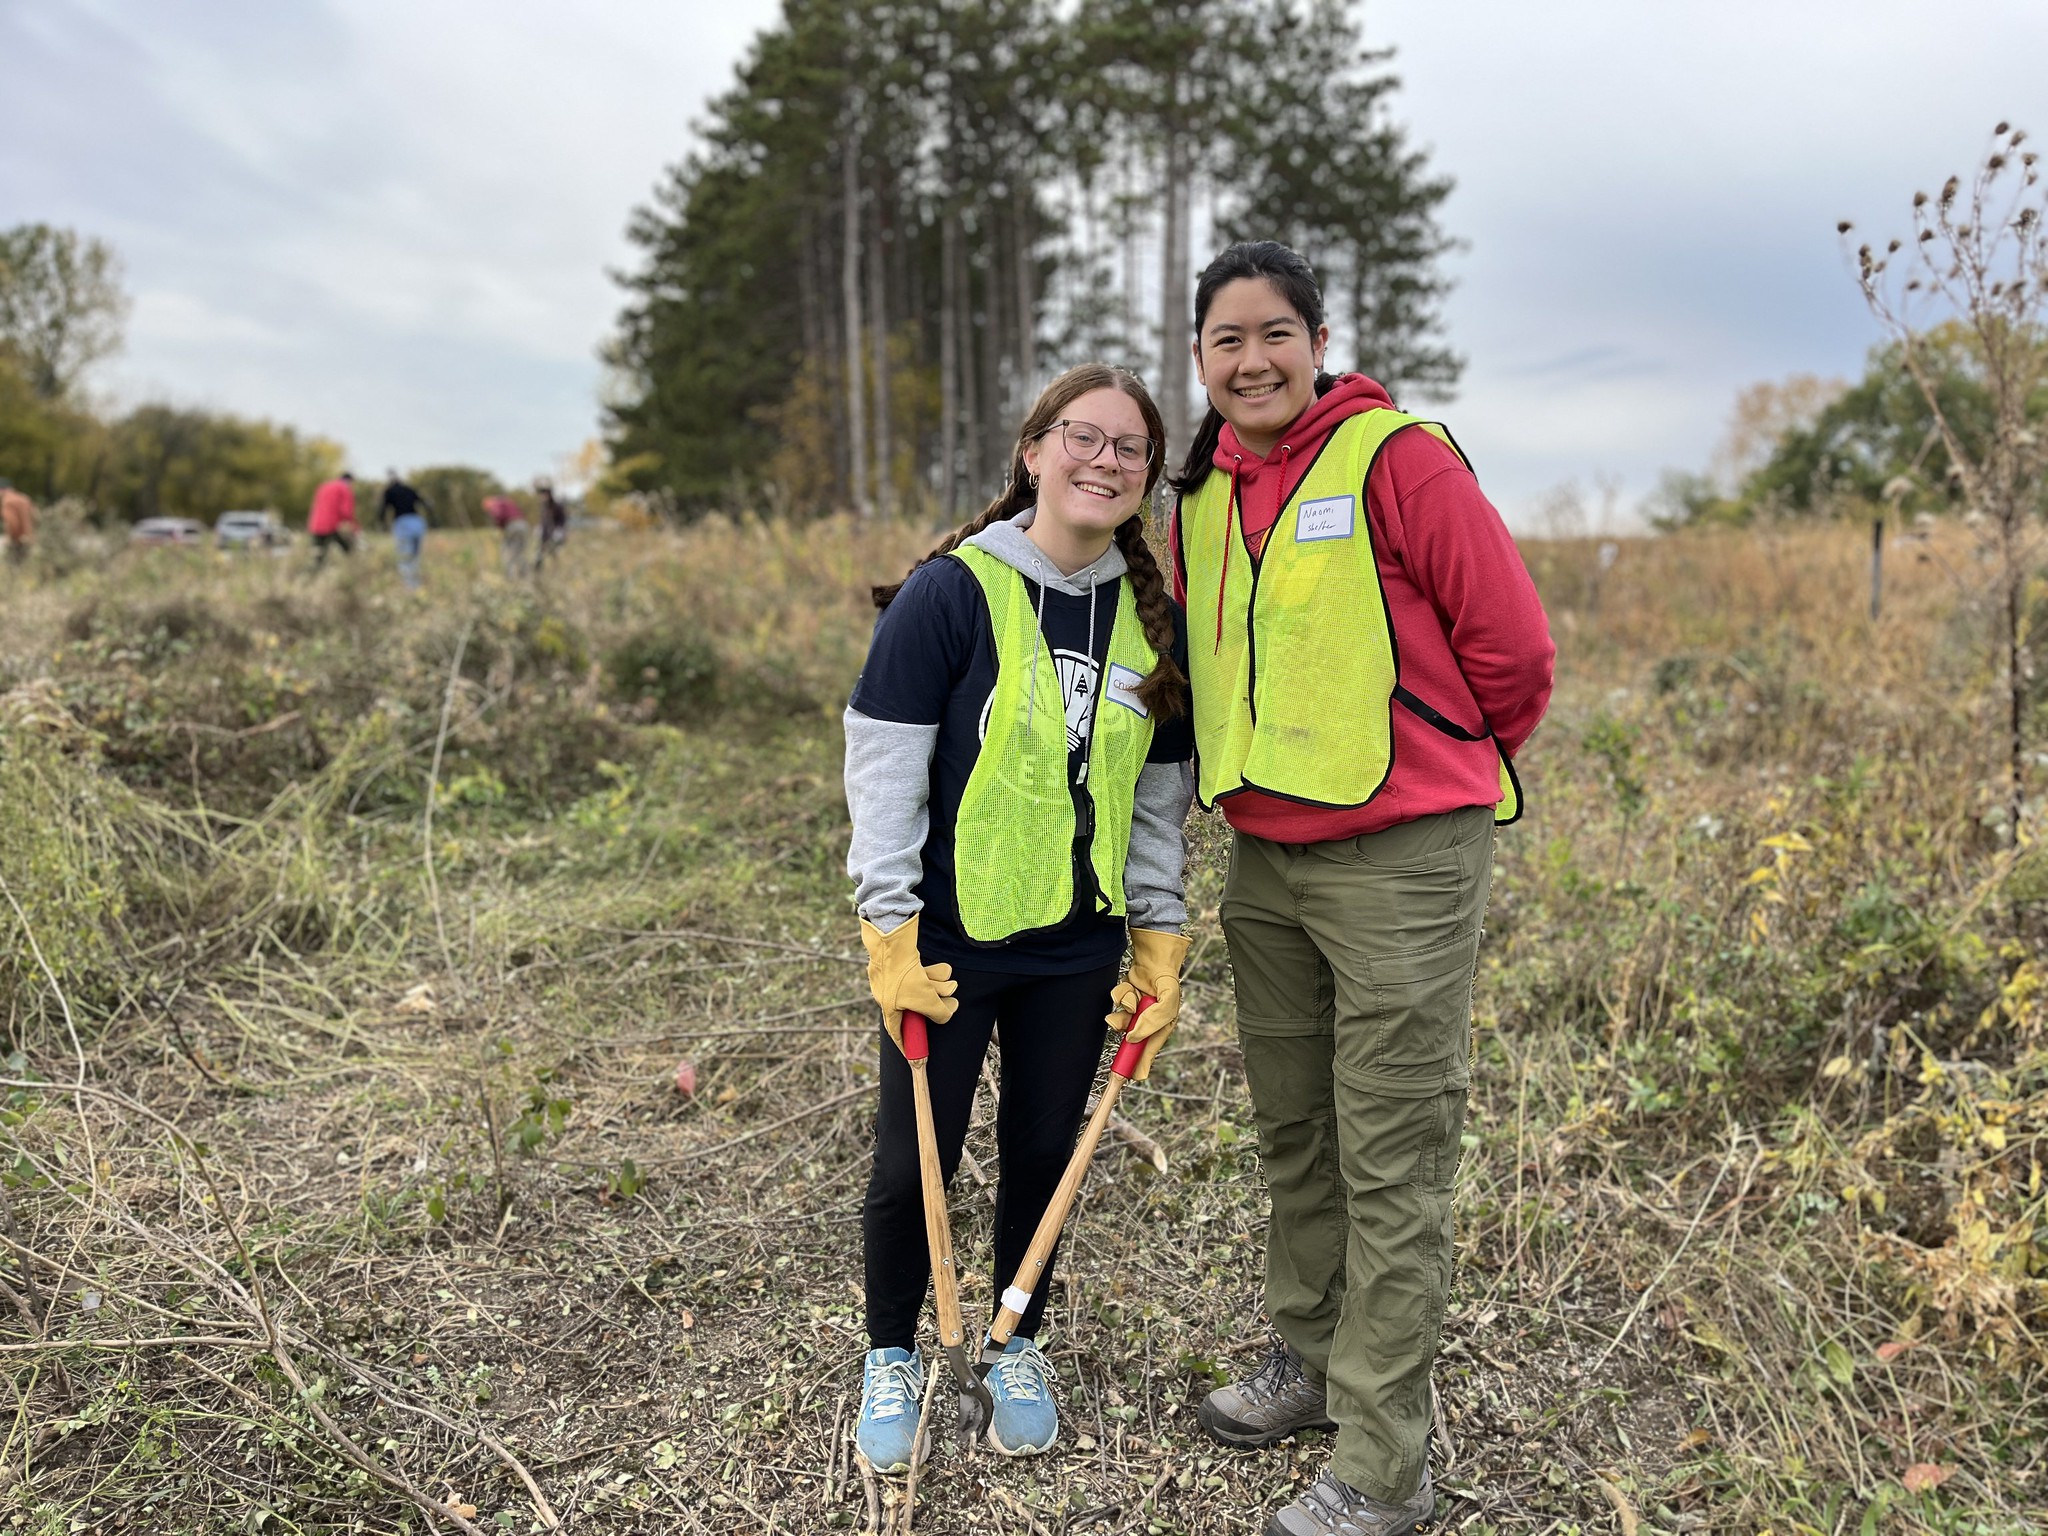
x=1153, y=892
x=888, y=778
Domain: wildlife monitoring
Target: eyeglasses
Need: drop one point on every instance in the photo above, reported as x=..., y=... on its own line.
x=1084, y=441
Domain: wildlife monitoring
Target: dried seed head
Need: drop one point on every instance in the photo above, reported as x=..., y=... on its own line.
x=2019, y=136
x=1949, y=189
x=1926, y=235
x=1919, y=199
x=1996, y=162
x=1893, y=246
x=1913, y=285
x=1843, y=226
x=2002, y=129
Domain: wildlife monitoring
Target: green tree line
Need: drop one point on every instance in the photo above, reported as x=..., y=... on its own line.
x=61, y=310
x=905, y=215
x=1854, y=447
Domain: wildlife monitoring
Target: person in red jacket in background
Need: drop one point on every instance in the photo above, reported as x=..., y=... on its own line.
x=1367, y=655
x=332, y=521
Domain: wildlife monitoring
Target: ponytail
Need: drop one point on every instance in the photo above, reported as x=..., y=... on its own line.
x=1164, y=689
x=1201, y=453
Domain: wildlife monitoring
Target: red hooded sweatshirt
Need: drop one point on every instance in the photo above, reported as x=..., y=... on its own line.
x=334, y=506
x=1473, y=640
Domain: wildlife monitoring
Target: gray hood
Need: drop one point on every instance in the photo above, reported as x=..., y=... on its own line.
x=1008, y=542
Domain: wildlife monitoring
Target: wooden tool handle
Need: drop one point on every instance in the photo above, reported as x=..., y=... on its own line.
x=1018, y=1296
x=938, y=1233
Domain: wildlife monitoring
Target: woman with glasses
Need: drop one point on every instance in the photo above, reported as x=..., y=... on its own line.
x=1367, y=655
x=1017, y=755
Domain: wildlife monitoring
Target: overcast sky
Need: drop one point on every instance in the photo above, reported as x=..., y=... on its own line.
x=391, y=222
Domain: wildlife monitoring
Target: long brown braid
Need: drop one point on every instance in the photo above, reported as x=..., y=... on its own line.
x=1164, y=690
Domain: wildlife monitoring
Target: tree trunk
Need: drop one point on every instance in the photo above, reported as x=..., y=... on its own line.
x=1027, y=297
x=1174, y=304
x=970, y=373
x=949, y=363
x=878, y=331
x=994, y=407
x=849, y=293
x=832, y=338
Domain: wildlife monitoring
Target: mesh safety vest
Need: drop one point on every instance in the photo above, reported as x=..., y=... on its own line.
x=1016, y=840
x=1291, y=657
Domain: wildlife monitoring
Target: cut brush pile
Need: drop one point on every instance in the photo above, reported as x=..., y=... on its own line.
x=438, y=1071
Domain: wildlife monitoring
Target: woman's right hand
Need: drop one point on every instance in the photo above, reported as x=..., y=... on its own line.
x=900, y=980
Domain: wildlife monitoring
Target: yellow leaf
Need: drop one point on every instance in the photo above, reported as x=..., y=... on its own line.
x=1993, y=1136
x=1839, y=1066
x=1791, y=842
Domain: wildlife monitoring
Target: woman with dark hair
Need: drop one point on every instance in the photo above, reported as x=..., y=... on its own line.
x=1016, y=766
x=1367, y=654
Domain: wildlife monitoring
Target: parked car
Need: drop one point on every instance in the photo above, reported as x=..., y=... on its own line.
x=167, y=530
x=250, y=530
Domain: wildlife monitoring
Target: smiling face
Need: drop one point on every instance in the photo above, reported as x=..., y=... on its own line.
x=1258, y=360
x=1088, y=498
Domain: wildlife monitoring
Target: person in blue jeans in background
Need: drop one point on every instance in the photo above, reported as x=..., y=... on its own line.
x=404, y=510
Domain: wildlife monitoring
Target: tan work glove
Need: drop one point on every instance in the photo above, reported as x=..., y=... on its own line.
x=900, y=980
x=1155, y=972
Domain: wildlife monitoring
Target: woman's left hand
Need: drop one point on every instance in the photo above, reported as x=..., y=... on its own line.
x=1154, y=972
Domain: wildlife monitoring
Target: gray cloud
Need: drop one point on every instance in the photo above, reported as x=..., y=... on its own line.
x=391, y=222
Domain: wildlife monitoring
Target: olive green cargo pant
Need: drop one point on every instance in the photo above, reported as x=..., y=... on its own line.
x=1353, y=963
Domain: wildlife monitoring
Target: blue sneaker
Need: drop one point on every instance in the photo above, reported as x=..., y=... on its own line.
x=1025, y=1422
x=892, y=1386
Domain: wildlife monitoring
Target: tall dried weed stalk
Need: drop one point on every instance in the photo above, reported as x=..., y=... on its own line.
x=1979, y=256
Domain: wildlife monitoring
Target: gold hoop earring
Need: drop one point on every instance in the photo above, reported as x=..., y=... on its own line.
x=1031, y=482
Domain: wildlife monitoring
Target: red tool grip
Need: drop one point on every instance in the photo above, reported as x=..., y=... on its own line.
x=915, y=1046
x=1128, y=1053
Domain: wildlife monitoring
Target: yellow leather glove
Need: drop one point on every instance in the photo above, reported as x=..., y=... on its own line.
x=900, y=980
x=1155, y=972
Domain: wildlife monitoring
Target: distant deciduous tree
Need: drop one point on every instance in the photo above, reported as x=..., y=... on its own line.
x=61, y=304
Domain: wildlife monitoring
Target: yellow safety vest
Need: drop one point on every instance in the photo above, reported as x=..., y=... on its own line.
x=1292, y=658
x=1014, y=841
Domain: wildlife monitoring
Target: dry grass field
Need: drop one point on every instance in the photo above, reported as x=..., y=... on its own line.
x=351, y=943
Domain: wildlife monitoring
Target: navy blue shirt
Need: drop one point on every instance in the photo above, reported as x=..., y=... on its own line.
x=933, y=662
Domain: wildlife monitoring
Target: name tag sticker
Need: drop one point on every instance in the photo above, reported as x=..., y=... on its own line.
x=1327, y=517
x=1123, y=688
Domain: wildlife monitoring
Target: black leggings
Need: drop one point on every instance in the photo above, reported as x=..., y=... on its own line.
x=1052, y=1038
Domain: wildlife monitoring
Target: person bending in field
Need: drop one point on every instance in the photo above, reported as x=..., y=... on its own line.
x=1367, y=654
x=18, y=522
x=332, y=521
x=1017, y=768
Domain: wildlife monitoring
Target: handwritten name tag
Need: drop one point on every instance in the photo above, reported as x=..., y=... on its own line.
x=1123, y=688
x=1327, y=517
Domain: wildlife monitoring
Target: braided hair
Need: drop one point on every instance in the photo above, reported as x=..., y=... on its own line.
x=1295, y=281
x=1163, y=690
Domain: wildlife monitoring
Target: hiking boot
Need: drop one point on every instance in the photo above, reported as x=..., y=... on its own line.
x=1025, y=1421
x=1277, y=1399
x=1332, y=1507
x=892, y=1383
